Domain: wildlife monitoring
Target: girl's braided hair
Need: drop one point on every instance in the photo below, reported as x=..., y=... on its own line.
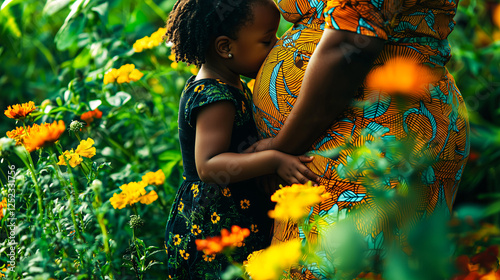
x=193, y=24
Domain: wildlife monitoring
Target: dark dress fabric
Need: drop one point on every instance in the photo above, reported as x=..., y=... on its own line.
x=202, y=210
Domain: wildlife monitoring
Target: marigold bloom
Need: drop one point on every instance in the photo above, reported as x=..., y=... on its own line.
x=154, y=178
x=3, y=204
x=125, y=74
x=400, y=76
x=20, y=111
x=268, y=264
x=85, y=148
x=89, y=116
x=17, y=134
x=149, y=198
x=214, y=245
x=148, y=42
x=73, y=158
x=132, y=193
x=43, y=135
x=293, y=202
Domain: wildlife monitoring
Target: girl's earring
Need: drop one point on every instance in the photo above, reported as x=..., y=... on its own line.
x=230, y=55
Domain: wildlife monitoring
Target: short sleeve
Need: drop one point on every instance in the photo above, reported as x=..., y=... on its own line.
x=203, y=95
x=361, y=17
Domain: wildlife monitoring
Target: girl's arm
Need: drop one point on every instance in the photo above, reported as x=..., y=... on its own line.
x=337, y=68
x=214, y=164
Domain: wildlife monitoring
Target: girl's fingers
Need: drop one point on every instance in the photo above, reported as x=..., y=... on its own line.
x=306, y=158
x=310, y=176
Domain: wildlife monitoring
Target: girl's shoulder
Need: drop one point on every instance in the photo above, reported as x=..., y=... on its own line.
x=199, y=93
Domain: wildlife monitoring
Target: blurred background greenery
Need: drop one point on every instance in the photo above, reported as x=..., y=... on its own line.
x=58, y=51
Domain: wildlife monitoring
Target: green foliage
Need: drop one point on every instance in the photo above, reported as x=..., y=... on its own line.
x=56, y=53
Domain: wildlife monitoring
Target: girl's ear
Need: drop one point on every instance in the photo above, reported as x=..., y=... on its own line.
x=223, y=46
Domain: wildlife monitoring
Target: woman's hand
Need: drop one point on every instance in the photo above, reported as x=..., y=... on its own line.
x=292, y=169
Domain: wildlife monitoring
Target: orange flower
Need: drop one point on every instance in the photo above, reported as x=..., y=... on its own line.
x=399, y=75
x=17, y=134
x=213, y=245
x=89, y=116
x=20, y=111
x=3, y=204
x=43, y=135
x=154, y=178
x=496, y=15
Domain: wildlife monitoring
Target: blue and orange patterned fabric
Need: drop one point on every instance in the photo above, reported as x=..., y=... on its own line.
x=415, y=30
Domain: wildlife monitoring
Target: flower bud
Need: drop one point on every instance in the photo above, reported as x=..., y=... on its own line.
x=136, y=221
x=6, y=145
x=75, y=126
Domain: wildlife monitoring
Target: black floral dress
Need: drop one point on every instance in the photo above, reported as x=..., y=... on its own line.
x=202, y=210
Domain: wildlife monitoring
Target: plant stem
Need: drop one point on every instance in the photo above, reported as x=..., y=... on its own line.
x=66, y=190
x=68, y=170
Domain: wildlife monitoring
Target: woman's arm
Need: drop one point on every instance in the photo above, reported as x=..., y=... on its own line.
x=215, y=165
x=337, y=68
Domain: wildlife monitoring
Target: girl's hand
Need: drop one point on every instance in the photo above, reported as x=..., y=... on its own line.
x=293, y=171
x=261, y=145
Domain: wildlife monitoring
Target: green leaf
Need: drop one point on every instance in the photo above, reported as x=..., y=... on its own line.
x=7, y=3
x=170, y=155
x=118, y=99
x=54, y=6
x=73, y=25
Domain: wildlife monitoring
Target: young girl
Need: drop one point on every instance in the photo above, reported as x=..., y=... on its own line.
x=226, y=38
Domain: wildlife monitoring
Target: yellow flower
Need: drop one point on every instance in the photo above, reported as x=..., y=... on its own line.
x=135, y=75
x=184, y=255
x=150, y=42
x=125, y=74
x=172, y=56
x=195, y=230
x=174, y=65
x=245, y=203
x=154, y=178
x=43, y=135
x=180, y=207
x=268, y=264
x=208, y=258
x=20, y=111
x=215, y=218
x=85, y=148
x=293, y=202
x=149, y=198
x=195, y=190
x=177, y=240
x=73, y=158
x=118, y=201
x=131, y=193
x=194, y=70
x=17, y=134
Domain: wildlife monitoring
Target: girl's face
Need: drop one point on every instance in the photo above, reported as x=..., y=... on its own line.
x=255, y=40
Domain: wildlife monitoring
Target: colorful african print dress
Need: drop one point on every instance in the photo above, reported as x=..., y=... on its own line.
x=202, y=210
x=438, y=119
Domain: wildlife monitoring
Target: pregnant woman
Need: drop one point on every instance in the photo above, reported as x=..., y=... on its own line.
x=311, y=95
